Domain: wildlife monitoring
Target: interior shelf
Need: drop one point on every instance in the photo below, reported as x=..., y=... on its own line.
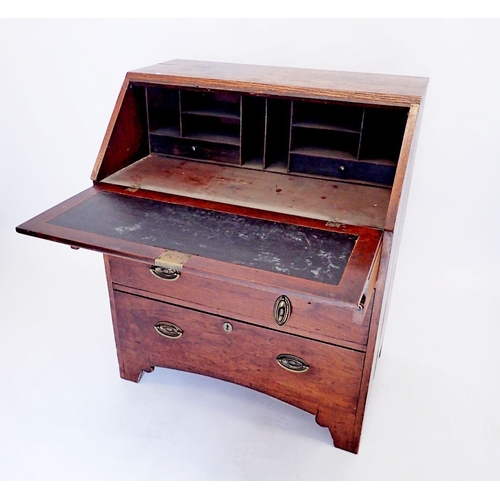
x=213, y=136
x=217, y=114
x=323, y=152
x=325, y=126
x=171, y=131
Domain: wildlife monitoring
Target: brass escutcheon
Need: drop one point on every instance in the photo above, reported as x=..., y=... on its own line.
x=282, y=310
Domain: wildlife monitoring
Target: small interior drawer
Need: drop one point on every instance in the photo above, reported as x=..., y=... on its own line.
x=339, y=168
x=198, y=149
x=300, y=371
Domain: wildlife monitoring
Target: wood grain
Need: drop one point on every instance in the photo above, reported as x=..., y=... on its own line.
x=246, y=356
x=322, y=199
x=403, y=171
x=336, y=327
x=290, y=82
x=126, y=139
x=244, y=299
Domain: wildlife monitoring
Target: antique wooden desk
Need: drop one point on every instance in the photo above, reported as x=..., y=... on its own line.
x=248, y=218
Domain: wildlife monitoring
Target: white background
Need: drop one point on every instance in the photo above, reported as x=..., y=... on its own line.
x=434, y=409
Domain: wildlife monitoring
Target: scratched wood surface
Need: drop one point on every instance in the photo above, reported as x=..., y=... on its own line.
x=321, y=199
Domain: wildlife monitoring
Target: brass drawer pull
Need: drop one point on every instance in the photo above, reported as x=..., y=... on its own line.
x=292, y=363
x=282, y=310
x=168, y=330
x=165, y=273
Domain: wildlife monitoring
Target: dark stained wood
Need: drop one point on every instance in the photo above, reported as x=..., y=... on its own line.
x=253, y=130
x=246, y=356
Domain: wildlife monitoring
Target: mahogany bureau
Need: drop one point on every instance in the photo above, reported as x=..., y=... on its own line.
x=249, y=219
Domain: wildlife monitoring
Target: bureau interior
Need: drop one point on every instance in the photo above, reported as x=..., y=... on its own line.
x=189, y=141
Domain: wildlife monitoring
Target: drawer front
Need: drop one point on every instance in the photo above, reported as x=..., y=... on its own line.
x=195, y=149
x=343, y=169
x=303, y=372
x=248, y=302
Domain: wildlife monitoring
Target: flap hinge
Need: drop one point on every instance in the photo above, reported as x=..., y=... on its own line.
x=335, y=223
x=171, y=259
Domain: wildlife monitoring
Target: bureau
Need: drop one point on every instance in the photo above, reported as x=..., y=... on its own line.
x=249, y=219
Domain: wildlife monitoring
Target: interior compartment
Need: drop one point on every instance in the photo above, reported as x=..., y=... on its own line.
x=348, y=142
x=347, y=119
x=212, y=128
x=163, y=111
x=253, y=131
x=277, y=133
x=325, y=143
x=383, y=131
x=177, y=117
x=222, y=104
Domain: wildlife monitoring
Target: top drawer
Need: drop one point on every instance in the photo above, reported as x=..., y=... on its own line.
x=308, y=315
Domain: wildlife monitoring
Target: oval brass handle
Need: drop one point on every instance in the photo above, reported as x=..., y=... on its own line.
x=282, y=310
x=165, y=273
x=168, y=330
x=292, y=363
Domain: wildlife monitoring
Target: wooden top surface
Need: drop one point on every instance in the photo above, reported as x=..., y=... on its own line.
x=293, y=82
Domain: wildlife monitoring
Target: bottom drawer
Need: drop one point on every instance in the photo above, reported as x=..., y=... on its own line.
x=314, y=376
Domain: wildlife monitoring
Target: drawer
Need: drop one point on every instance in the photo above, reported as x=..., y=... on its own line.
x=302, y=372
x=310, y=316
x=195, y=149
x=343, y=169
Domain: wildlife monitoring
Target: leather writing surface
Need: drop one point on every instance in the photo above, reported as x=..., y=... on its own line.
x=282, y=248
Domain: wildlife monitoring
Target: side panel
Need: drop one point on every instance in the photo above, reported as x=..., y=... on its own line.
x=126, y=139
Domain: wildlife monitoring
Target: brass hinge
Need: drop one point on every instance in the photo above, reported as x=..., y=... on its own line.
x=335, y=223
x=171, y=259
